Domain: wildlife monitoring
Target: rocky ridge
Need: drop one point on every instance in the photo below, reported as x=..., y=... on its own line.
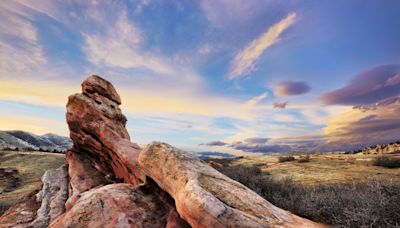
x=382, y=148
x=25, y=140
x=111, y=182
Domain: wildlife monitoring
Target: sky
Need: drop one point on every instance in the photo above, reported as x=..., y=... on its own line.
x=241, y=77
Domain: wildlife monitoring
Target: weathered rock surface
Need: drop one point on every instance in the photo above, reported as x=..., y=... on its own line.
x=206, y=198
x=83, y=176
x=117, y=205
x=53, y=195
x=97, y=128
x=163, y=186
x=382, y=148
x=21, y=214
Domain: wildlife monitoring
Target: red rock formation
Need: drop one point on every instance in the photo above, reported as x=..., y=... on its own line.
x=163, y=186
x=206, y=198
x=97, y=128
x=116, y=205
x=83, y=176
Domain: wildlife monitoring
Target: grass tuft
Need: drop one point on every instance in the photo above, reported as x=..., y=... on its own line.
x=387, y=162
x=286, y=158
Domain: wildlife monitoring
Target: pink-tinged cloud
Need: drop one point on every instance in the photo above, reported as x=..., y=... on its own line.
x=280, y=105
x=214, y=143
x=290, y=88
x=256, y=140
x=367, y=87
x=366, y=125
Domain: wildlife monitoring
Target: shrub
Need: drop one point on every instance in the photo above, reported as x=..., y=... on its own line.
x=286, y=158
x=3, y=207
x=387, y=162
x=304, y=159
x=371, y=204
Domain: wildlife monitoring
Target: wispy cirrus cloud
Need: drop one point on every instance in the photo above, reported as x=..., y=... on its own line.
x=245, y=61
x=120, y=47
x=21, y=51
x=255, y=100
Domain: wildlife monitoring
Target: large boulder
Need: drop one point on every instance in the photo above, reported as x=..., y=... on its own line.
x=118, y=205
x=206, y=198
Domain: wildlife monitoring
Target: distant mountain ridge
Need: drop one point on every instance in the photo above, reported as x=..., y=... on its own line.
x=24, y=140
x=213, y=154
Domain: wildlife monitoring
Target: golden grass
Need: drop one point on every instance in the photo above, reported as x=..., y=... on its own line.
x=31, y=166
x=324, y=168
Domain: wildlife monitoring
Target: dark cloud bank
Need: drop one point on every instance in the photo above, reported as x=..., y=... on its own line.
x=368, y=87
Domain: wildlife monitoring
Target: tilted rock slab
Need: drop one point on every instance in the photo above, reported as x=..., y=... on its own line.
x=206, y=198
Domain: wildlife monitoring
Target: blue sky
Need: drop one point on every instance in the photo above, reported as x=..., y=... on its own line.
x=230, y=76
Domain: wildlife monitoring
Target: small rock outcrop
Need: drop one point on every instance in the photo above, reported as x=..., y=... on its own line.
x=53, y=195
x=112, y=182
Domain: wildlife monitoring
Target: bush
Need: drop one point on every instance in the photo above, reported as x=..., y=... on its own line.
x=371, y=204
x=4, y=207
x=286, y=158
x=387, y=162
x=304, y=159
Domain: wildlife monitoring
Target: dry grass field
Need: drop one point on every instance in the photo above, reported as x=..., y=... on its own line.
x=20, y=173
x=342, y=190
x=323, y=168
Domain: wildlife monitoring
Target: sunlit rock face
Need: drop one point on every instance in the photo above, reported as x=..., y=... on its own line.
x=112, y=182
x=206, y=198
x=97, y=128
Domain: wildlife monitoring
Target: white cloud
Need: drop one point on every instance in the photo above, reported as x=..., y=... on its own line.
x=255, y=100
x=119, y=47
x=245, y=61
x=21, y=51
